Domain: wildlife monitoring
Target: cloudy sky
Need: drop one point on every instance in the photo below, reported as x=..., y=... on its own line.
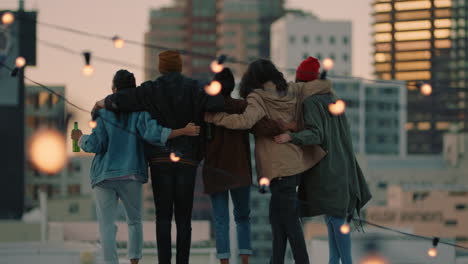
x=129, y=19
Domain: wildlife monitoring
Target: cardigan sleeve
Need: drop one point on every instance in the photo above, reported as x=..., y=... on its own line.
x=252, y=114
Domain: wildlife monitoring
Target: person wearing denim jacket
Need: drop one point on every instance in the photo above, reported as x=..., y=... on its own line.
x=119, y=168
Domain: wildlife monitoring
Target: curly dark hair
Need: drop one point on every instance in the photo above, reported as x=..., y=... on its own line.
x=258, y=73
x=123, y=79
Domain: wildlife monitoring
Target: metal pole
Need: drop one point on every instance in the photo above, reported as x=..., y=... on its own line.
x=44, y=213
x=21, y=5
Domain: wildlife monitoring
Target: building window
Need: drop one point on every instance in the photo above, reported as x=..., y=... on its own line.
x=292, y=39
x=306, y=39
x=305, y=55
x=419, y=196
x=319, y=56
x=460, y=207
x=74, y=208
x=345, y=57
x=332, y=40
x=332, y=56
x=345, y=40
x=451, y=223
x=458, y=194
x=318, y=39
x=382, y=185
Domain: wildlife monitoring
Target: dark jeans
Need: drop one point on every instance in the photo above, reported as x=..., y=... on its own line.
x=173, y=186
x=285, y=221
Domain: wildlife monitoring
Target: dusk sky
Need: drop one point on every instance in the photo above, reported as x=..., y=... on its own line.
x=129, y=19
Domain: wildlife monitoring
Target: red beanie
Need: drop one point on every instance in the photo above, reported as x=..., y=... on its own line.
x=308, y=70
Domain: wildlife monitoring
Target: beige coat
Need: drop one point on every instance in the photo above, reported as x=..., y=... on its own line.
x=276, y=160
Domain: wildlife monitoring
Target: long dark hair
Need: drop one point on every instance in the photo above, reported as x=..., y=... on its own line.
x=123, y=80
x=258, y=73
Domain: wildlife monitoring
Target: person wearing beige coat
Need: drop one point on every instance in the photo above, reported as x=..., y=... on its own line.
x=269, y=95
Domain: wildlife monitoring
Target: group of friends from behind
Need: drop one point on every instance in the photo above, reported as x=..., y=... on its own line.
x=305, y=152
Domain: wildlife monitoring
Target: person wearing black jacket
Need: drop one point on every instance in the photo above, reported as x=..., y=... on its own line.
x=174, y=100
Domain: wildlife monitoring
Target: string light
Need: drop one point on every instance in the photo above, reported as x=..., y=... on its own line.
x=426, y=89
x=8, y=18
x=214, y=88
x=345, y=229
x=337, y=108
x=328, y=64
x=374, y=258
x=217, y=65
x=118, y=42
x=20, y=62
x=432, y=252
x=264, y=182
x=47, y=151
x=88, y=70
x=92, y=124
x=174, y=157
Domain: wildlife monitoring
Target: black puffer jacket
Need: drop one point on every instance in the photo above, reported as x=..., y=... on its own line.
x=173, y=100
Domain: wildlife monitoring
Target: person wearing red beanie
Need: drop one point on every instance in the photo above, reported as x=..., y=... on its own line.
x=308, y=70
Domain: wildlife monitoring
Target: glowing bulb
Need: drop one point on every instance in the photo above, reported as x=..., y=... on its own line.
x=88, y=70
x=8, y=18
x=345, y=229
x=380, y=57
x=426, y=89
x=92, y=124
x=337, y=108
x=118, y=42
x=47, y=151
x=174, y=157
x=264, y=181
x=216, y=67
x=20, y=62
x=214, y=88
x=328, y=64
x=374, y=259
x=432, y=252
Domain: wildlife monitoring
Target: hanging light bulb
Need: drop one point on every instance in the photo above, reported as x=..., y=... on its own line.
x=432, y=252
x=216, y=67
x=345, y=229
x=20, y=62
x=118, y=42
x=92, y=124
x=174, y=157
x=214, y=88
x=426, y=89
x=88, y=70
x=8, y=18
x=337, y=108
x=47, y=151
x=264, y=181
x=374, y=258
x=328, y=64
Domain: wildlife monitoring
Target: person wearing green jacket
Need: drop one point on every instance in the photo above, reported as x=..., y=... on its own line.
x=336, y=186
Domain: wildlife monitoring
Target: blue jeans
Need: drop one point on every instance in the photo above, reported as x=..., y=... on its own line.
x=107, y=196
x=241, y=201
x=338, y=243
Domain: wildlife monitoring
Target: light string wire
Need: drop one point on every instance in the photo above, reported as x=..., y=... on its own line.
x=182, y=51
x=198, y=164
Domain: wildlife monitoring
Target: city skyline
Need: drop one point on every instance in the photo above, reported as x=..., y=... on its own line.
x=84, y=91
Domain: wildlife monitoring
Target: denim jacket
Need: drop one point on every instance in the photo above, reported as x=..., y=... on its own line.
x=119, y=145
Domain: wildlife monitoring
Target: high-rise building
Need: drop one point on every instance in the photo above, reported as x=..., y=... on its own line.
x=298, y=35
x=418, y=41
x=188, y=25
x=244, y=29
x=376, y=112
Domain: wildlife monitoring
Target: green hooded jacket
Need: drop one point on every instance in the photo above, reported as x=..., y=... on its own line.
x=336, y=185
